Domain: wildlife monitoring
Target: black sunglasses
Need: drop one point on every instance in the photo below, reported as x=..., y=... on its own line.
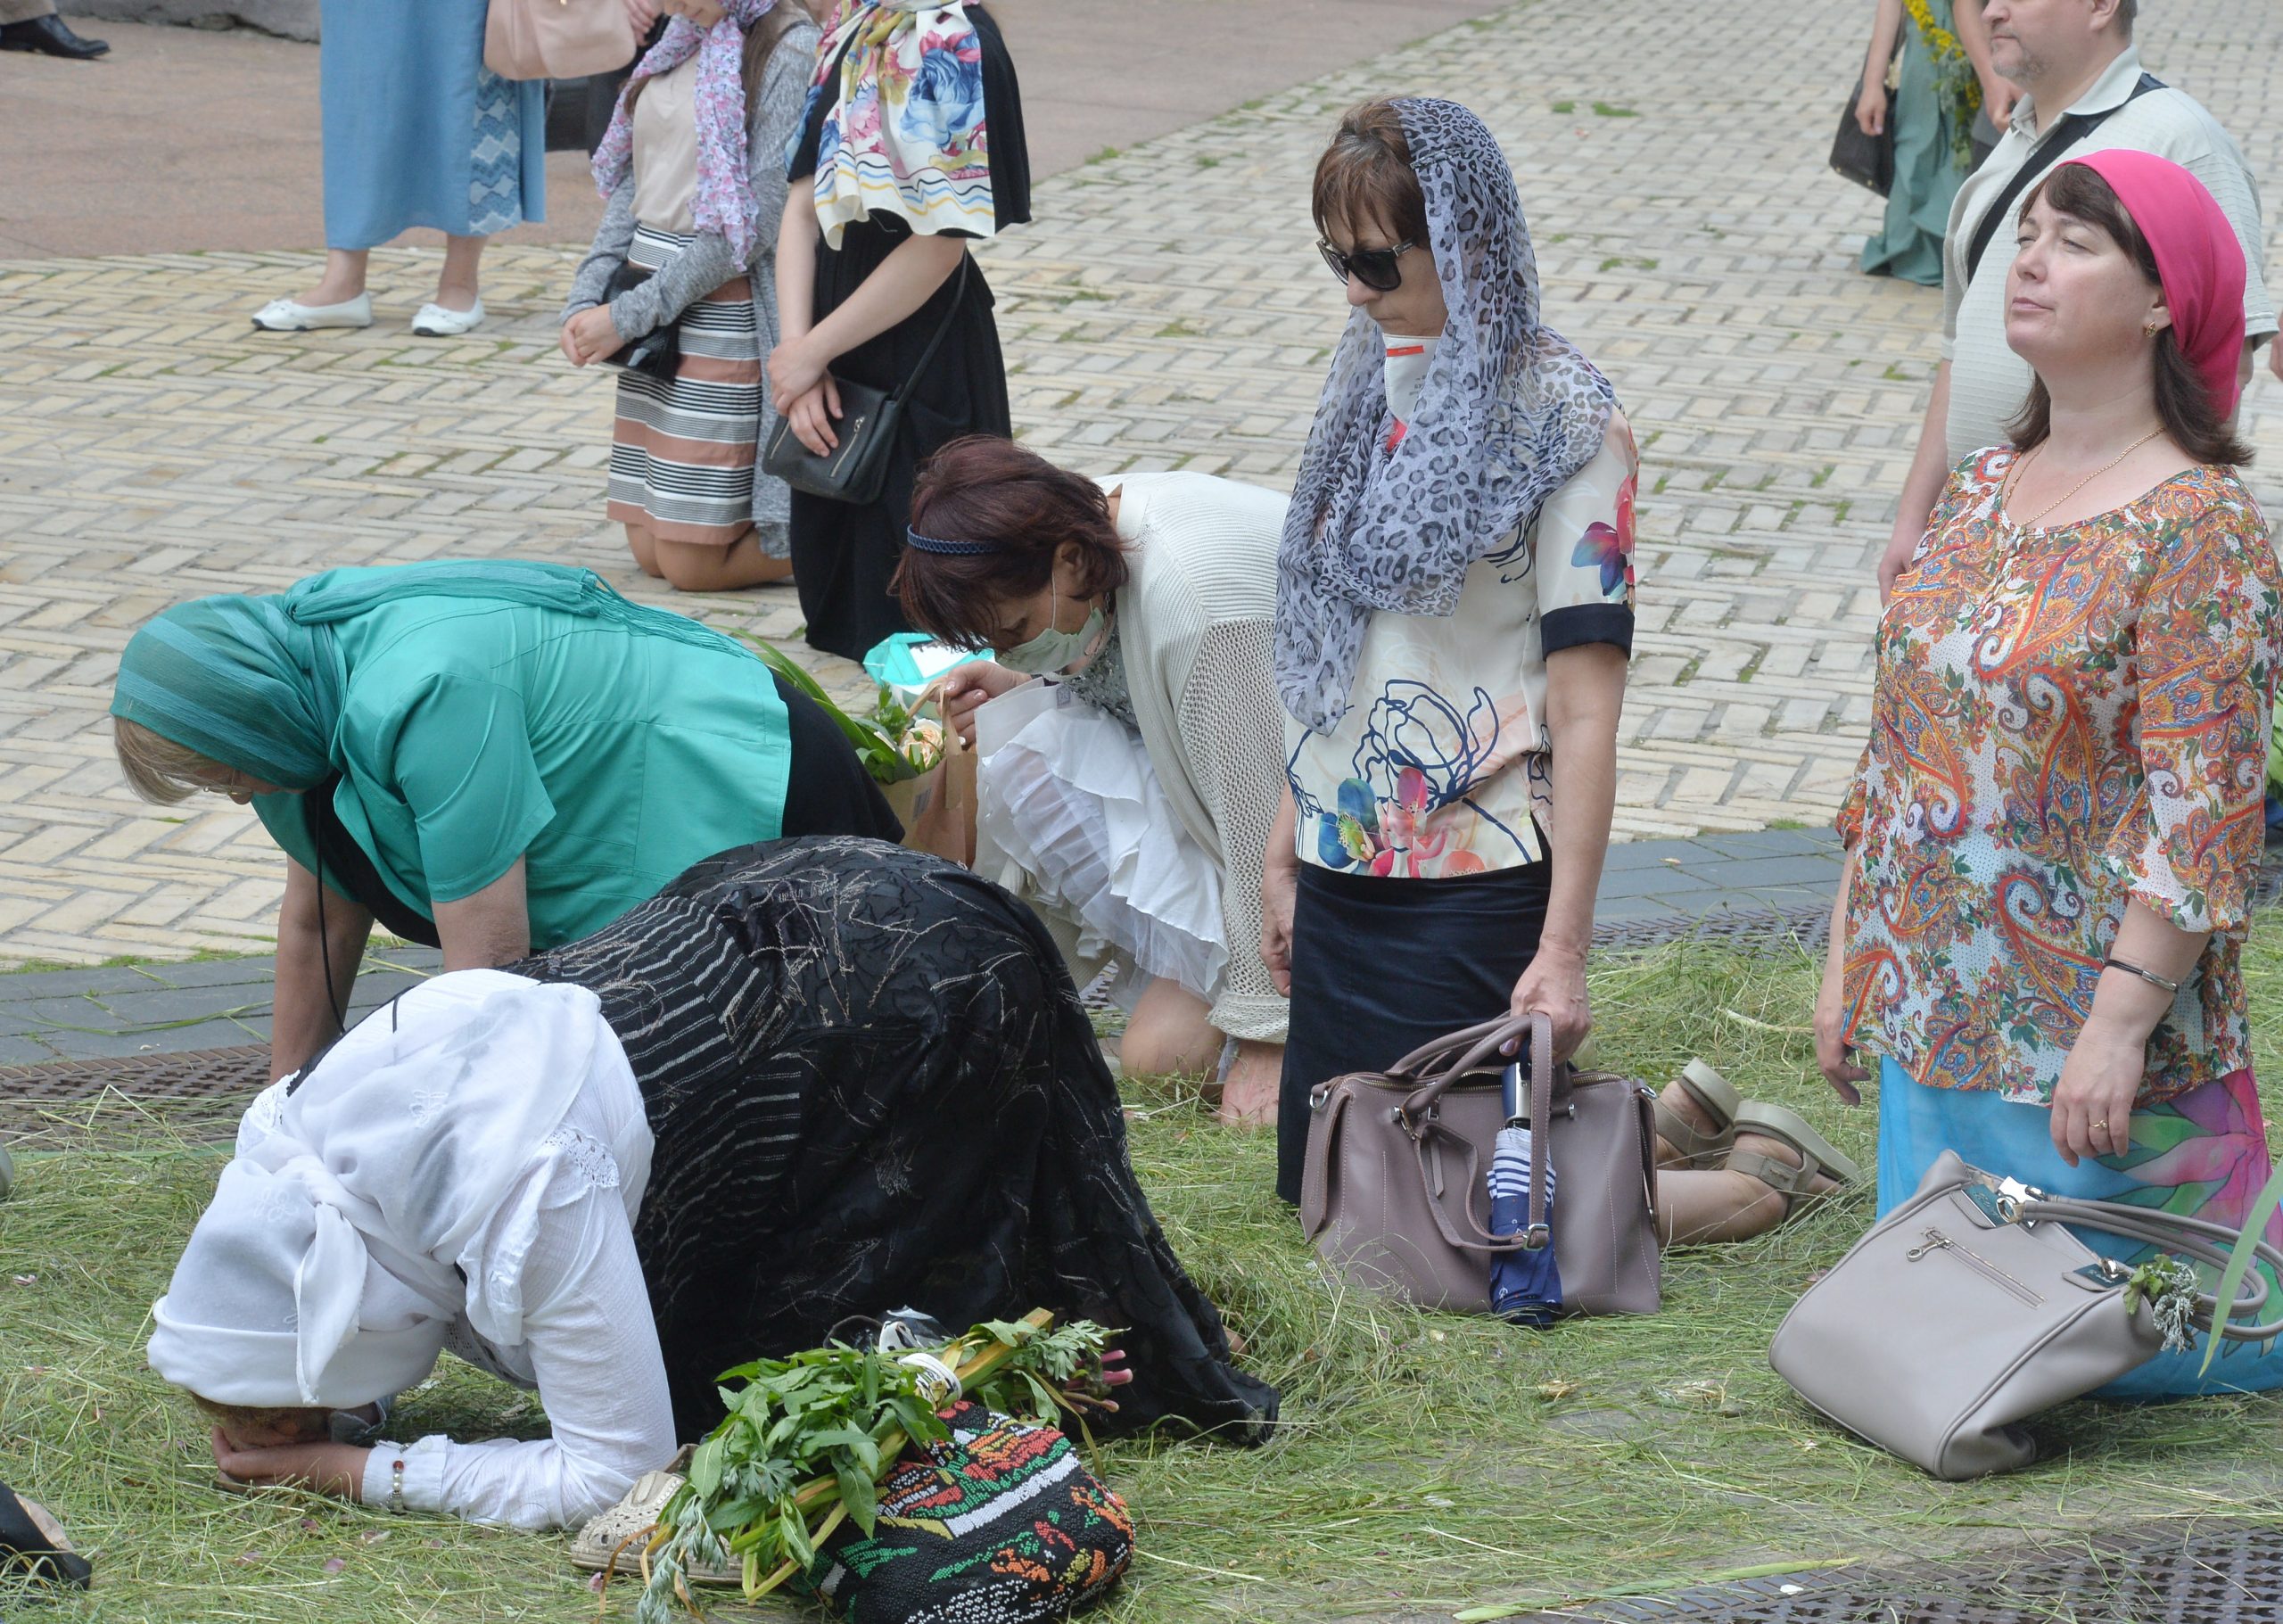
x=1374, y=268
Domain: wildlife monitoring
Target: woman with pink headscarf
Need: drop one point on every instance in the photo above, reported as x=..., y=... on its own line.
x=2055, y=829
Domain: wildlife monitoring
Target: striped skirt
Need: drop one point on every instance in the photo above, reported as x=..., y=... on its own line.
x=683, y=452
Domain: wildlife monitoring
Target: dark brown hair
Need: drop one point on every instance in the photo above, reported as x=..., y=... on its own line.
x=761, y=44
x=1365, y=177
x=2183, y=405
x=991, y=490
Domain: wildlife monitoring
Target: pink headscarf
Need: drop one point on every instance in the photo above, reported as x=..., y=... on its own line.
x=2198, y=260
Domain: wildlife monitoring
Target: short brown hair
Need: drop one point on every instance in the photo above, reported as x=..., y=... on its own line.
x=158, y=768
x=1366, y=176
x=2185, y=406
x=987, y=489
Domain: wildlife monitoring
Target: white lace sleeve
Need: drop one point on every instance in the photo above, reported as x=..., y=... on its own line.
x=1231, y=730
x=592, y=1348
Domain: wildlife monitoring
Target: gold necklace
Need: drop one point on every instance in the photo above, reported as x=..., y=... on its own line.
x=2013, y=479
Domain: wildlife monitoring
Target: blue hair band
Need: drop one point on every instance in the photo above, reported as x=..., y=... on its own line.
x=949, y=550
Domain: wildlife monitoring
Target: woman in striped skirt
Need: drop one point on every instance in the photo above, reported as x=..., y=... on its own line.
x=692, y=168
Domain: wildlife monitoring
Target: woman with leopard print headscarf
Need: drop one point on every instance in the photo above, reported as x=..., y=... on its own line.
x=1455, y=615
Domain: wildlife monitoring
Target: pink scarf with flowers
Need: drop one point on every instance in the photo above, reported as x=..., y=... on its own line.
x=724, y=202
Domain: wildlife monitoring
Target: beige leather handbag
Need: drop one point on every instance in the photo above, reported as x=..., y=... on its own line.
x=1393, y=1189
x=1969, y=1308
x=556, y=39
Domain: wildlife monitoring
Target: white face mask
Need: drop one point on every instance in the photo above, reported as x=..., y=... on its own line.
x=1051, y=651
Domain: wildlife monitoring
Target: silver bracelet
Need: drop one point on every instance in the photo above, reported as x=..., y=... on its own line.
x=2150, y=976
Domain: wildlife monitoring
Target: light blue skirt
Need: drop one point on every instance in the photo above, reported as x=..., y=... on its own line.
x=2203, y=1154
x=418, y=130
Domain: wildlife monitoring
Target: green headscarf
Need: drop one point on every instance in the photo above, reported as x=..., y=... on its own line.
x=255, y=683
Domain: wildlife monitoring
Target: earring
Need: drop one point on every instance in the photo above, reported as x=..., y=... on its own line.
x=2149, y=329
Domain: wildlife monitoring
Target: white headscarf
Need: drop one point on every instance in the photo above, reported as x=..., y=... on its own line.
x=342, y=1243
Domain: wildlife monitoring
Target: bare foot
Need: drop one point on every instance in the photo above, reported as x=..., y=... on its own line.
x=1248, y=1095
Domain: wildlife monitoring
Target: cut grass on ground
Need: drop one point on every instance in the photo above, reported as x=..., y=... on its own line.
x=1427, y=1463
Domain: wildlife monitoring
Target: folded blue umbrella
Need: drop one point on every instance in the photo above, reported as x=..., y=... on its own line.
x=1525, y=1286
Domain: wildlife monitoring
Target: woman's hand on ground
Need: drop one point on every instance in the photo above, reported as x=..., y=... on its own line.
x=1834, y=1055
x=1554, y=984
x=1871, y=108
x=967, y=688
x=794, y=370
x=590, y=336
x=2092, y=1104
x=331, y=1468
x=812, y=416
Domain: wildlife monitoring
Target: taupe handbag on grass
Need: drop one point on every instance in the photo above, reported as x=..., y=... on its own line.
x=1393, y=1189
x=1969, y=1308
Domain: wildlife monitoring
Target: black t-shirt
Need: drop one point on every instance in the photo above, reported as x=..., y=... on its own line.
x=1003, y=144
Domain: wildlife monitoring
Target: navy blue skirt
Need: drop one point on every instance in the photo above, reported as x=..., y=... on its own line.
x=1382, y=965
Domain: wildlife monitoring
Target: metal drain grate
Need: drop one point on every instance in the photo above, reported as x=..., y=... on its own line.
x=200, y=1083
x=2218, y=1573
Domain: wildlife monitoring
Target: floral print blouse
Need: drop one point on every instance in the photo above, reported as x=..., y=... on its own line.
x=1440, y=767
x=2065, y=720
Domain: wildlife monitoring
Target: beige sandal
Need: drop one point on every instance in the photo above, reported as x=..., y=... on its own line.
x=1720, y=1102
x=1818, y=1159
x=613, y=1541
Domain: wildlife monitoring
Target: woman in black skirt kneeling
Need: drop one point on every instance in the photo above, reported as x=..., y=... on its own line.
x=811, y=1080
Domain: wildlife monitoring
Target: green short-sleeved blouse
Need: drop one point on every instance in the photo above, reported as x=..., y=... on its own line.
x=473, y=731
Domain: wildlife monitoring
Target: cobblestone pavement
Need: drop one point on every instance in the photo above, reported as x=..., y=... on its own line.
x=1165, y=310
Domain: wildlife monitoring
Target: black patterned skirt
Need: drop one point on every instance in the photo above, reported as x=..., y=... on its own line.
x=872, y=1085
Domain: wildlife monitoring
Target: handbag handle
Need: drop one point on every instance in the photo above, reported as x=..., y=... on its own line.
x=1416, y=1114
x=2198, y=1236
x=1474, y=1045
x=958, y=292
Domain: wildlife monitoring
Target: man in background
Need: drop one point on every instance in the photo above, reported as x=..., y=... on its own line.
x=2083, y=90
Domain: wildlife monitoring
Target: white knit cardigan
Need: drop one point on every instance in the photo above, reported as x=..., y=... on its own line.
x=1196, y=622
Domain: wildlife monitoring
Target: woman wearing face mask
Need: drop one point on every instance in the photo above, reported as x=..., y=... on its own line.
x=2055, y=834
x=1133, y=806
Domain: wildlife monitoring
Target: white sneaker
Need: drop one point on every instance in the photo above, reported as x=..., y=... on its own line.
x=292, y=316
x=434, y=321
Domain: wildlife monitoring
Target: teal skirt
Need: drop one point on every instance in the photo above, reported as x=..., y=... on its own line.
x=2203, y=1154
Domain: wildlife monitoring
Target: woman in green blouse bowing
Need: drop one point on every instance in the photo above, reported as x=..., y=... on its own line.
x=493, y=758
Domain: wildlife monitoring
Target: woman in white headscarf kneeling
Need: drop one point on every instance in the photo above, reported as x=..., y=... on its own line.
x=812, y=1080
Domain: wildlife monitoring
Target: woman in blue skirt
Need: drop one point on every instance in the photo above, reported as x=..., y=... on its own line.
x=417, y=132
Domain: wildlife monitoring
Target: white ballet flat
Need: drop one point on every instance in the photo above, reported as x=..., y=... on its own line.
x=434, y=321
x=292, y=316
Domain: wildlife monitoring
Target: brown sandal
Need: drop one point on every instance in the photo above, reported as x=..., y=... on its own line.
x=1721, y=1101
x=1818, y=1159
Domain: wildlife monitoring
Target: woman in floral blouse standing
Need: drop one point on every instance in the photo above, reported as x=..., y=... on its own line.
x=2056, y=828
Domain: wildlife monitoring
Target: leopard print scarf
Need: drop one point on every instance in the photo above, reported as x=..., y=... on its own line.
x=1510, y=410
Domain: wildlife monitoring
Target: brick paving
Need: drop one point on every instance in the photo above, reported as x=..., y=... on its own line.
x=1165, y=310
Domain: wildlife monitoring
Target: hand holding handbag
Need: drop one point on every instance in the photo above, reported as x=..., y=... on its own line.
x=1867, y=161
x=856, y=470
x=1393, y=1189
x=657, y=353
x=1970, y=1308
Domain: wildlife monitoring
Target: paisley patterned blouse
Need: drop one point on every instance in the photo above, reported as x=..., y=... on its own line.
x=2066, y=721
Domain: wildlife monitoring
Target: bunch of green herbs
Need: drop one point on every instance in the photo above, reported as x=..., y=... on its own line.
x=807, y=1440
x=893, y=741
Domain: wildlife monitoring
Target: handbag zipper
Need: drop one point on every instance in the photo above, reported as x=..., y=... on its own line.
x=1937, y=1241
x=855, y=428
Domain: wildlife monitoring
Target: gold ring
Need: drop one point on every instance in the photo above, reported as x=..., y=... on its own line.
x=2101, y=1126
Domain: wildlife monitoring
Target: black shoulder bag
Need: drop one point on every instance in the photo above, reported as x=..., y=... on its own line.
x=856, y=470
x=2068, y=130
